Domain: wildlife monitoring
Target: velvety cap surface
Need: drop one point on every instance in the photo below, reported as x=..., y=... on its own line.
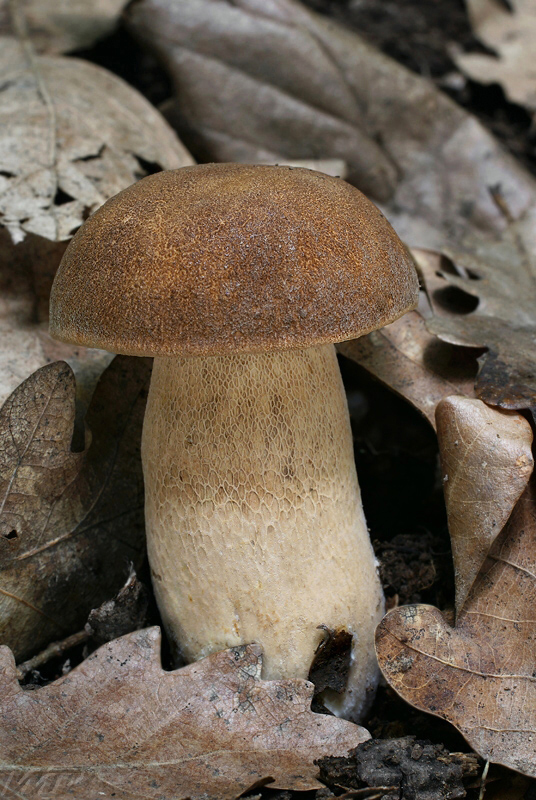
x=226, y=258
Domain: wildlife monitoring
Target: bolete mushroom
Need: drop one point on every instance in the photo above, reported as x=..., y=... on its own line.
x=238, y=279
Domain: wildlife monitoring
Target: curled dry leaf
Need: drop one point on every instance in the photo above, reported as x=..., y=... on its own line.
x=269, y=79
x=70, y=522
x=72, y=135
x=509, y=30
x=58, y=28
x=120, y=726
x=478, y=675
x=486, y=461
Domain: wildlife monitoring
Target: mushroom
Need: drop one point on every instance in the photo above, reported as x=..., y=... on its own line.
x=238, y=280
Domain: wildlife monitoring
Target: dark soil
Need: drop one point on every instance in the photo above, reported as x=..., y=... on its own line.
x=415, y=33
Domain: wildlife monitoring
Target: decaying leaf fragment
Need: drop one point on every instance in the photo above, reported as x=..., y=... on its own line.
x=26, y=273
x=411, y=360
x=478, y=675
x=59, y=27
x=70, y=522
x=413, y=769
x=71, y=136
x=121, y=726
x=486, y=461
x=509, y=29
x=501, y=275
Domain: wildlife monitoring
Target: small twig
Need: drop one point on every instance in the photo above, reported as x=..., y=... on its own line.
x=364, y=794
x=54, y=650
x=483, y=781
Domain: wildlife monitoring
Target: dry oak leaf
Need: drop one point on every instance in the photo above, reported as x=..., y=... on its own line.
x=509, y=29
x=480, y=674
x=412, y=361
x=71, y=136
x=70, y=522
x=268, y=79
x=120, y=726
x=57, y=27
x=501, y=276
x=486, y=462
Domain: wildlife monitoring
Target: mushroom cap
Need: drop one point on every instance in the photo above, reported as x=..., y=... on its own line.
x=228, y=258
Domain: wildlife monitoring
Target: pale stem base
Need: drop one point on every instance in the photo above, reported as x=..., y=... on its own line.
x=255, y=527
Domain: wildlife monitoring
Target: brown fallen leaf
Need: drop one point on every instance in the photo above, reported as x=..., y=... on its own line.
x=486, y=461
x=478, y=675
x=251, y=87
x=71, y=136
x=58, y=28
x=70, y=522
x=257, y=79
x=119, y=725
x=508, y=29
x=412, y=361
x=26, y=272
x=501, y=275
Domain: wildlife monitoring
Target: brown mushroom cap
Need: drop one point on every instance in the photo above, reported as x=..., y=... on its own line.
x=227, y=258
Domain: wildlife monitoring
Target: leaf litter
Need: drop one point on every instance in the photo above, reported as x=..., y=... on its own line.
x=478, y=675
x=508, y=30
x=70, y=522
x=412, y=361
x=446, y=168
x=54, y=28
x=254, y=77
x=486, y=461
x=502, y=278
x=58, y=160
x=256, y=81
x=118, y=723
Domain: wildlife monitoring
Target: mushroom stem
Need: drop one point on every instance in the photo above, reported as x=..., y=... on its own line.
x=254, y=519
